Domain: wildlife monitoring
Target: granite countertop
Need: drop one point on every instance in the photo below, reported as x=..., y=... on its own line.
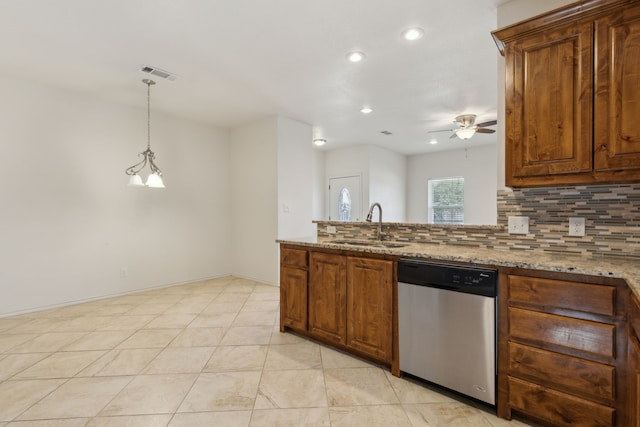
x=600, y=266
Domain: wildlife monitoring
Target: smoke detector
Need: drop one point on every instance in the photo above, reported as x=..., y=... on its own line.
x=158, y=73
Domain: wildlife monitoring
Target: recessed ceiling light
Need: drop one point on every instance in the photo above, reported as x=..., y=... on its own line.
x=319, y=142
x=356, y=56
x=366, y=110
x=433, y=141
x=412, y=34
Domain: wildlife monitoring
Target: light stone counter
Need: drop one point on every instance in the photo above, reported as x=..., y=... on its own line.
x=600, y=266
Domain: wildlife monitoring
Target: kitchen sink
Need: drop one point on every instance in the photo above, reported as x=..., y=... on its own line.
x=372, y=243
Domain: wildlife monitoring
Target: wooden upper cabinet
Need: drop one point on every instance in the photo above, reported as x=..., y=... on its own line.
x=572, y=95
x=617, y=102
x=549, y=104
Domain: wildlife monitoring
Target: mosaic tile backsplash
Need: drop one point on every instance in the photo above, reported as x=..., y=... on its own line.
x=612, y=214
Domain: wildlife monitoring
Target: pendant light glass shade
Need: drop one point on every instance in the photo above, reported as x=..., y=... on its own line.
x=154, y=180
x=135, y=181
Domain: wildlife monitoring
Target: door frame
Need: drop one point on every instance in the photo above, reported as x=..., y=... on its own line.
x=328, y=192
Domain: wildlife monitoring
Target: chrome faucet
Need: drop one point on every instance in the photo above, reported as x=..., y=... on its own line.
x=370, y=214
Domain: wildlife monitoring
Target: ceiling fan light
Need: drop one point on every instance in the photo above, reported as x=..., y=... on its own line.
x=465, y=134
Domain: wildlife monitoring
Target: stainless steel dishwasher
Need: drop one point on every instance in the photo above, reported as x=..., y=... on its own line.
x=447, y=326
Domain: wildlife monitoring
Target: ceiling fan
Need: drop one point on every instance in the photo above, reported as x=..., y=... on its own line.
x=467, y=127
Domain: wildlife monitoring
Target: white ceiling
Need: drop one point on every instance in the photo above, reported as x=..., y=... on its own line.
x=241, y=60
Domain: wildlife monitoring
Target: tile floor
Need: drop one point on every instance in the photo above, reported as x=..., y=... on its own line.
x=201, y=354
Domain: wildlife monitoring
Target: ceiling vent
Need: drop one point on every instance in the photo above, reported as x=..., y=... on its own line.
x=158, y=73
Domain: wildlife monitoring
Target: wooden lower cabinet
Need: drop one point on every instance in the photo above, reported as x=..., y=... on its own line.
x=369, y=306
x=347, y=301
x=633, y=360
x=562, y=349
x=328, y=297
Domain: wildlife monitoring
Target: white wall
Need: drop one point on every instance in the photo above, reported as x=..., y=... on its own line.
x=69, y=223
x=318, y=166
x=388, y=182
x=295, y=179
x=254, y=200
x=476, y=164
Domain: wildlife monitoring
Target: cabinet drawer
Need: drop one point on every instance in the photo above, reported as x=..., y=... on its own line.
x=596, y=299
x=583, y=335
x=294, y=257
x=558, y=408
x=572, y=373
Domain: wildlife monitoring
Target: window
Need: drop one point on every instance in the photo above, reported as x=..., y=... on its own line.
x=344, y=205
x=446, y=201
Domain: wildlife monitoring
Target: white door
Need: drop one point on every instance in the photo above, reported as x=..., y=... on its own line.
x=345, y=198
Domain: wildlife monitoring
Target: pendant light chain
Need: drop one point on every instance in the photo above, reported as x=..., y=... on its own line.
x=149, y=83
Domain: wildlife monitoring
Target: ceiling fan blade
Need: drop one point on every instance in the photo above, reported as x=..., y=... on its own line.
x=443, y=130
x=482, y=130
x=489, y=123
x=453, y=135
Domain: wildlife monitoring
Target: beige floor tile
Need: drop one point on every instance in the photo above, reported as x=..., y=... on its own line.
x=212, y=320
x=305, y=355
x=358, y=386
x=67, y=422
x=334, y=359
x=308, y=417
x=169, y=321
x=38, y=325
x=9, y=341
x=127, y=322
x=265, y=294
x=150, y=338
x=113, y=309
x=186, y=308
x=11, y=364
x=179, y=360
x=16, y=396
x=255, y=318
x=8, y=323
x=278, y=338
x=291, y=389
x=232, y=297
x=261, y=305
x=131, y=421
x=237, y=358
x=453, y=414
x=409, y=391
x=209, y=419
x=223, y=307
x=151, y=394
x=100, y=340
x=79, y=397
x=247, y=335
x=198, y=337
x=83, y=324
x=370, y=416
x=63, y=364
x=48, y=342
x=222, y=391
x=150, y=309
x=121, y=362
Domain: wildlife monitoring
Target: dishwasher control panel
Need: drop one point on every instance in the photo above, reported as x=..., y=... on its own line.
x=461, y=278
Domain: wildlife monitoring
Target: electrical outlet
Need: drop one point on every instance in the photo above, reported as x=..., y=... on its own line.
x=518, y=225
x=576, y=226
x=124, y=272
x=331, y=229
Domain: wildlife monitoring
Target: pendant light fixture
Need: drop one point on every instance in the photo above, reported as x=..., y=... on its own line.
x=154, y=179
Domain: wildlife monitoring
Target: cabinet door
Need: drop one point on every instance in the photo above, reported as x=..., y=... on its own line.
x=293, y=298
x=634, y=381
x=327, y=296
x=369, y=306
x=617, y=114
x=549, y=106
